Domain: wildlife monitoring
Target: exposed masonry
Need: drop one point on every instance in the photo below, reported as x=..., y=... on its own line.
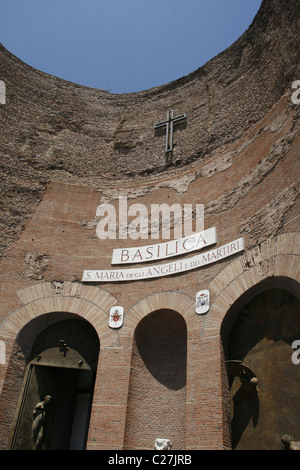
x=270, y=219
x=54, y=130
x=219, y=164
x=215, y=165
x=229, y=199
x=278, y=122
x=284, y=246
x=57, y=286
x=36, y=266
x=65, y=149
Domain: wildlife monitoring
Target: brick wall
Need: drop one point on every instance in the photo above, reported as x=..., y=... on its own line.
x=157, y=396
x=238, y=155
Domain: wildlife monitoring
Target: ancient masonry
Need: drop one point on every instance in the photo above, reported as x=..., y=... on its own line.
x=125, y=351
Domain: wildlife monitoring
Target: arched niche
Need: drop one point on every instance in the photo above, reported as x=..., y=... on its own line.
x=61, y=352
x=258, y=333
x=157, y=388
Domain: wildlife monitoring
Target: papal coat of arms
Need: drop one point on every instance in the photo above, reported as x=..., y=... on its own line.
x=116, y=317
x=202, y=302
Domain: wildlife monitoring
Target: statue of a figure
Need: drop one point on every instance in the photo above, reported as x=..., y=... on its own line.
x=290, y=443
x=39, y=423
x=163, y=444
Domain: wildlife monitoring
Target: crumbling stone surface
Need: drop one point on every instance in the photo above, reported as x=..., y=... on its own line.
x=36, y=266
x=270, y=219
x=53, y=130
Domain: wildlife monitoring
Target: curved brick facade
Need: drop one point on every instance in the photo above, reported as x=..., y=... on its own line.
x=66, y=149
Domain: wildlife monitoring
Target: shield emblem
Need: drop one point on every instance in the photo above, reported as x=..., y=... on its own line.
x=116, y=316
x=202, y=302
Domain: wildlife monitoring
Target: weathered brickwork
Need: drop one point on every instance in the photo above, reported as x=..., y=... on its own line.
x=65, y=149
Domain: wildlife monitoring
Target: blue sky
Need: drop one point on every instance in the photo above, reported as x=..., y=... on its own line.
x=122, y=45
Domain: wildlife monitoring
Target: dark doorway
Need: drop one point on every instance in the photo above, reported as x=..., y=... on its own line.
x=54, y=408
x=266, y=409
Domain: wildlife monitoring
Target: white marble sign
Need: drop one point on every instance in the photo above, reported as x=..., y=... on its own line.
x=116, y=317
x=160, y=270
x=202, y=302
x=169, y=249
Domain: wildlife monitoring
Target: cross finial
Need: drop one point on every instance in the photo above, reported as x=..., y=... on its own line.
x=169, y=124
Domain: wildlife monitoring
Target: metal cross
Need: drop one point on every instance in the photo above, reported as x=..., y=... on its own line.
x=169, y=123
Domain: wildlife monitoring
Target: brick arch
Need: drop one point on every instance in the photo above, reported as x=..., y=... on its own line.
x=90, y=303
x=185, y=307
x=87, y=302
x=158, y=372
x=180, y=303
x=156, y=403
x=278, y=257
x=42, y=304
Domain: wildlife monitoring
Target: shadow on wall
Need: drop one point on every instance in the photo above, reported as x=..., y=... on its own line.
x=161, y=340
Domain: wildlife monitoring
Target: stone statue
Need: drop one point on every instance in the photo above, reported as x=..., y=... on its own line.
x=40, y=422
x=163, y=444
x=290, y=443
